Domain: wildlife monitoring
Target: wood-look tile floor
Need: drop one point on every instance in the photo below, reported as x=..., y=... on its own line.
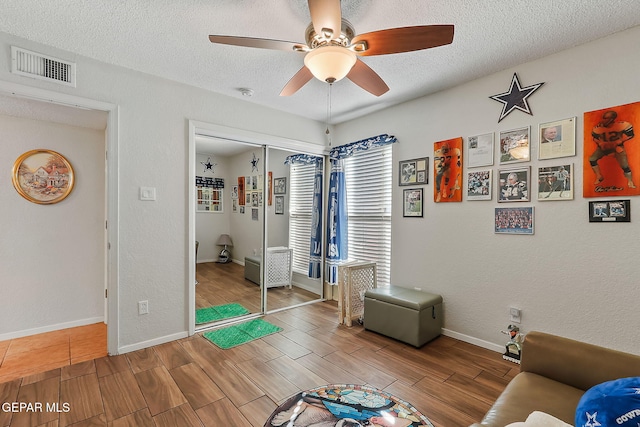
x=42, y=352
x=191, y=382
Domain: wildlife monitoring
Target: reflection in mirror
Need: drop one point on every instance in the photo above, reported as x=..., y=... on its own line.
x=229, y=229
x=293, y=274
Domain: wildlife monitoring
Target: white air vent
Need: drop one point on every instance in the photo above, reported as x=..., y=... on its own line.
x=38, y=66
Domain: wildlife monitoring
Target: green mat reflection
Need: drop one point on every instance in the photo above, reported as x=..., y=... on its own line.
x=219, y=312
x=241, y=333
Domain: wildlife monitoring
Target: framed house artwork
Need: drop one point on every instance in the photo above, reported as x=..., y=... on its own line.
x=513, y=184
x=611, y=166
x=480, y=150
x=43, y=176
x=555, y=182
x=557, y=139
x=412, y=172
x=514, y=145
x=412, y=205
x=479, y=184
x=447, y=170
x=514, y=220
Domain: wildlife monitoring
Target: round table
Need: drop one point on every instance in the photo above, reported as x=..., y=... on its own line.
x=346, y=405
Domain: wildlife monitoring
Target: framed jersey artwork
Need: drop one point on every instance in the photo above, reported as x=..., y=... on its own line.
x=611, y=164
x=447, y=170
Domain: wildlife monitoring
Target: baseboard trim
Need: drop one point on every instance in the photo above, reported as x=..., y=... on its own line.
x=472, y=340
x=51, y=328
x=150, y=343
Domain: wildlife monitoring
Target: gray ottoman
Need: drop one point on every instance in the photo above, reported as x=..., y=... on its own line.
x=252, y=268
x=410, y=316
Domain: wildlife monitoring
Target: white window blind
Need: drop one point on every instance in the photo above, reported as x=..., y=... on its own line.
x=300, y=209
x=368, y=177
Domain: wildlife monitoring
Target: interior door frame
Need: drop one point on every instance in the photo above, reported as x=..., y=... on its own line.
x=231, y=134
x=111, y=268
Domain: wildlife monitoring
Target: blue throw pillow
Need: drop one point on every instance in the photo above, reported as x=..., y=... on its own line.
x=611, y=404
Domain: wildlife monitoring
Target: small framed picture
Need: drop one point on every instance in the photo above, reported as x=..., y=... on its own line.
x=254, y=214
x=514, y=220
x=555, y=182
x=479, y=185
x=279, y=205
x=234, y=192
x=514, y=145
x=557, y=139
x=412, y=203
x=241, y=209
x=480, y=150
x=414, y=171
x=610, y=211
x=280, y=186
x=513, y=184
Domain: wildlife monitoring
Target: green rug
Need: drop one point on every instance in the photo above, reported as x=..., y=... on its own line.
x=241, y=333
x=219, y=312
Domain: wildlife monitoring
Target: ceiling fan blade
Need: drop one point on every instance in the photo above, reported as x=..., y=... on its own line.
x=300, y=79
x=259, y=43
x=326, y=14
x=362, y=75
x=403, y=39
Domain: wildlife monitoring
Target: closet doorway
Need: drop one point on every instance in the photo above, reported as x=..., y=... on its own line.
x=234, y=199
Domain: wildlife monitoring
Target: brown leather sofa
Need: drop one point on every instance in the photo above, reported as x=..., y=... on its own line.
x=554, y=373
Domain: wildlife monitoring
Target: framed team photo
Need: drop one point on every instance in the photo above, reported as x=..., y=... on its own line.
x=557, y=139
x=611, y=162
x=555, y=182
x=514, y=184
x=514, y=221
x=479, y=184
x=514, y=145
x=447, y=171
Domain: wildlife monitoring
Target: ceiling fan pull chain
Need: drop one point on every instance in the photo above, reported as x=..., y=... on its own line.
x=328, y=113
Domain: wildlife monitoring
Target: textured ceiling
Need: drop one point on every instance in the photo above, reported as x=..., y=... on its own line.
x=169, y=38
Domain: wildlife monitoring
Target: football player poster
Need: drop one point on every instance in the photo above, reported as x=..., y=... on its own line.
x=447, y=171
x=611, y=152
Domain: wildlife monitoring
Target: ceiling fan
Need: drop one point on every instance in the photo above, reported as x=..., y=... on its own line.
x=332, y=47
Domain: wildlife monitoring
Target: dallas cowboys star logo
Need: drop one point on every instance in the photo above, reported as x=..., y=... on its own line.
x=591, y=420
x=516, y=97
x=254, y=163
x=208, y=165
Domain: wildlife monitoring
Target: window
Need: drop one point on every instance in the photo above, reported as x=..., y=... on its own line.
x=300, y=210
x=368, y=178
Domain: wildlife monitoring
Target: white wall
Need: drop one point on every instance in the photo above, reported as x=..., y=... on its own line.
x=52, y=269
x=153, y=151
x=572, y=278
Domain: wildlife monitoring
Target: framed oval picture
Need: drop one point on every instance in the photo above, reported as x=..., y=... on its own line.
x=43, y=176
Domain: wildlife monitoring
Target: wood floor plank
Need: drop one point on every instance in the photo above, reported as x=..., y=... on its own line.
x=408, y=373
x=42, y=392
x=221, y=413
x=334, y=374
x=159, y=389
x=143, y=360
x=369, y=374
x=454, y=397
x=111, y=365
x=8, y=393
x=183, y=416
x=172, y=354
x=121, y=395
x=141, y=418
x=83, y=395
x=196, y=386
x=314, y=344
x=269, y=380
x=297, y=374
x=78, y=370
x=235, y=385
x=96, y=421
x=286, y=346
x=257, y=411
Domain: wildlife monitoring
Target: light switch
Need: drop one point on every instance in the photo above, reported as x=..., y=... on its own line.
x=147, y=193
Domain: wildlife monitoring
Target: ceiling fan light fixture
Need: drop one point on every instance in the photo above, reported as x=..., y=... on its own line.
x=330, y=63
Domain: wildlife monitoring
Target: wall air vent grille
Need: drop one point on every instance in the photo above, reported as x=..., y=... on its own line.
x=42, y=67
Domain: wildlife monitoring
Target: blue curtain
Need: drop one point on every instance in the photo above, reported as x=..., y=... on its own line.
x=337, y=222
x=315, y=244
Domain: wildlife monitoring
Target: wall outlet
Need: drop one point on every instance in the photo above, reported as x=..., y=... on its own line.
x=143, y=307
x=515, y=315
